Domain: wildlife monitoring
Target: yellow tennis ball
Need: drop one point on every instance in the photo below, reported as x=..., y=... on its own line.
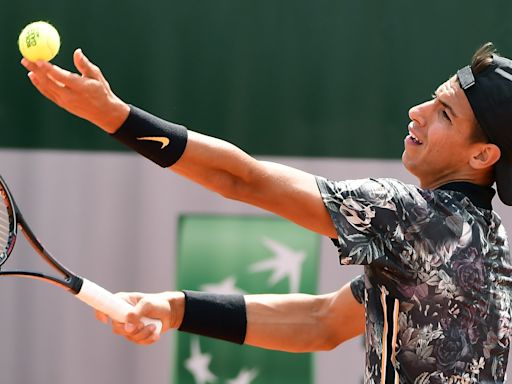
x=39, y=41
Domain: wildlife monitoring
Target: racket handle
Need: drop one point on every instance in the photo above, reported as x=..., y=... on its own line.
x=115, y=307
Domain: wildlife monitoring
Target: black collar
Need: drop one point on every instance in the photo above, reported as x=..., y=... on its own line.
x=479, y=195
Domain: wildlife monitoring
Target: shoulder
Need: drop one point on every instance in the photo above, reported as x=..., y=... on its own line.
x=374, y=191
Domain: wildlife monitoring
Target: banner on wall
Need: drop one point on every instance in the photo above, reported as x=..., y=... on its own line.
x=243, y=254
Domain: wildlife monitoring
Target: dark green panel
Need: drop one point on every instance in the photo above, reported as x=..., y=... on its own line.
x=288, y=77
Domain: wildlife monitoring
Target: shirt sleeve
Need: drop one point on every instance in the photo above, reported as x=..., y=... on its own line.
x=357, y=287
x=369, y=215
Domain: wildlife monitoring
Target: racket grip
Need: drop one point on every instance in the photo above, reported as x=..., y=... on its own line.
x=115, y=307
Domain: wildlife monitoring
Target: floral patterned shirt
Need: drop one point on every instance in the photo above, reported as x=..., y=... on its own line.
x=438, y=279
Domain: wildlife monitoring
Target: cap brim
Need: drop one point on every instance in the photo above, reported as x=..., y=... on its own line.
x=503, y=174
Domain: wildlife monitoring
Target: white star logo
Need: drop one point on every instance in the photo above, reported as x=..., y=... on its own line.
x=245, y=376
x=286, y=262
x=198, y=362
x=226, y=286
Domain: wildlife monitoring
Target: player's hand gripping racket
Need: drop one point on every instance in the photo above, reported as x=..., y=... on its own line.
x=87, y=291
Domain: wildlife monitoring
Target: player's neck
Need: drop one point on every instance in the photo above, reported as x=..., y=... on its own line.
x=483, y=178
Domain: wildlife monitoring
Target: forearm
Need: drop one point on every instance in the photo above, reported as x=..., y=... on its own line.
x=272, y=321
x=218, y=166
x=288, y=322
x=291, y=322
x=215, y=164
x=269, y=321
x=302, y=323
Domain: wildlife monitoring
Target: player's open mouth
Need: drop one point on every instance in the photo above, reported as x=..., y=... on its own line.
x=411, y=138
x=415, y=139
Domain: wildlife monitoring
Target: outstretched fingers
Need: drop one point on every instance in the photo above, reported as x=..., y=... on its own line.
x=48, y=86
x=51, y=76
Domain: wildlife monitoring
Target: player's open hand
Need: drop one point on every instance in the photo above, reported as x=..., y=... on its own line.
x=87, y=95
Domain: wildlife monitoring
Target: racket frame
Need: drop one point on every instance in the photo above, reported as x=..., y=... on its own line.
x=85, y=290
x=71, y=281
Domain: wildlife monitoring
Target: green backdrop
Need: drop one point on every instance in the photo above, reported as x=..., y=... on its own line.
x=287, y=77
x=243, y=254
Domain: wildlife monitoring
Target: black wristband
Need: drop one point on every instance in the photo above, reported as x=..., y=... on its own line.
x=220, y=316
x=160, y=141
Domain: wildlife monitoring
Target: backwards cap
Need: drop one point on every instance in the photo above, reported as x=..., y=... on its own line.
x=490, y=95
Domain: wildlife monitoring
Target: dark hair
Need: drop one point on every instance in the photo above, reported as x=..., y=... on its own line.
x=482, y=57
x=480, y=61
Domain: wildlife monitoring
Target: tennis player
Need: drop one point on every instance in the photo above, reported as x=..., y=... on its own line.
x=437, y=281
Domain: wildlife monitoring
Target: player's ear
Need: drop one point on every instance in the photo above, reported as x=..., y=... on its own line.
x=484, y=156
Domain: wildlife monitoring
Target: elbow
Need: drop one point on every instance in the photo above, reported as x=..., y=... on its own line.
x=327, y=340
x=233, y=190
x=321, y=336
x=248, y=186
x=334, y=328
x=320, y=342
x=239, y=189
x=331, y=342
x=225, y=184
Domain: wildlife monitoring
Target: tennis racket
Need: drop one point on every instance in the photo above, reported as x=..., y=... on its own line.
x=90, y=293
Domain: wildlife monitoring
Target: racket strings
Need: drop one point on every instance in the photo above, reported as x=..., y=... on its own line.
x=6, y=225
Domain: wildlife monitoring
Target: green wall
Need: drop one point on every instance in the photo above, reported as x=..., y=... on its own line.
x=276, y=77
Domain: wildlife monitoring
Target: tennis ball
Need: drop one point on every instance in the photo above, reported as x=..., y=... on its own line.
x=39, y=41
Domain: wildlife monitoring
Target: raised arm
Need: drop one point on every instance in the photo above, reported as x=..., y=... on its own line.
x=288, y=322
x=213, y=163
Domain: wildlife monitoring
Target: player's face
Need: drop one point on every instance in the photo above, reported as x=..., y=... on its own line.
x=439, y=146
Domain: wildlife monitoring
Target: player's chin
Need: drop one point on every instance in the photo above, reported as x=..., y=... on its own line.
x=406, y=161
x=413, y=167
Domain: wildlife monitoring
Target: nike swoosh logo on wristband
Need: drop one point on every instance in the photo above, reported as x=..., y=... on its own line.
x=160, y=139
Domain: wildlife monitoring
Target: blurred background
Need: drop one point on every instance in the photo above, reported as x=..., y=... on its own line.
x=324, y=86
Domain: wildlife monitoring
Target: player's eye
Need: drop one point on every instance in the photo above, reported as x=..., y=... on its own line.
x=443, y=111
x=445, y=115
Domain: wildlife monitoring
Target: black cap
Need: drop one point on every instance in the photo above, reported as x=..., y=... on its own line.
x=490, y=95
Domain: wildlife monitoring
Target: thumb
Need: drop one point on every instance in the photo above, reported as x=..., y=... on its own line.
x=143, y=307
x=133, y=321
x=85, y=67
